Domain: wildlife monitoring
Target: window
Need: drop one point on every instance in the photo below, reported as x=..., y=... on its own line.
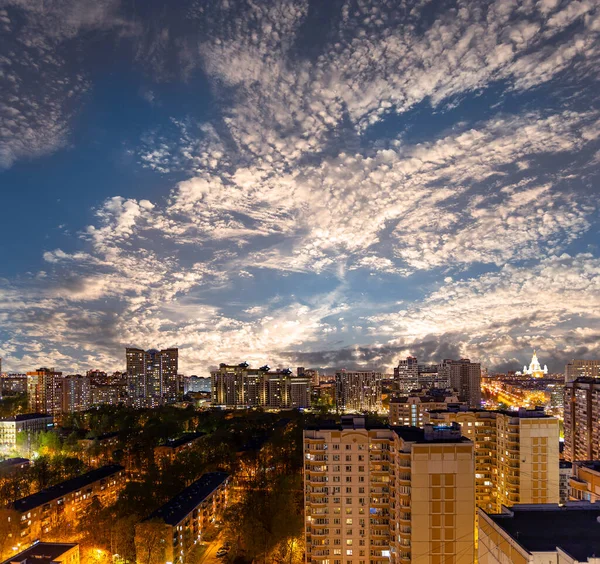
x=349, y=542
x=348, y=468
x=348, y=479
x=349, y=521
x=336, y=447
x=348, y=490
x=348, y=458
x=348, y=447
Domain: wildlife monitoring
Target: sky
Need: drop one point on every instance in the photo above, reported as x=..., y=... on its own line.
x=333, y=184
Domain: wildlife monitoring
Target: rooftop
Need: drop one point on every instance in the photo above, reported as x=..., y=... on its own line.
x=13, y=462
x=431, y=434
x=25, y=417
x=542, y=528
x=49, y=494
x=184, y=503
x=184, y=439
x=590, y=465
x=40, y=553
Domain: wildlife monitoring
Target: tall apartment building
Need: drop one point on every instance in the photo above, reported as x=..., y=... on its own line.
x=172, y=531
x=358, y=391
x=465, y=377
x=582, y=369
x=582, y=419
x=410, y=410
x=152, y=375
x=410, y=375
x=239, y=386
x=76, y=393
x=516, y=454
x=44, y=391
x=375, y=494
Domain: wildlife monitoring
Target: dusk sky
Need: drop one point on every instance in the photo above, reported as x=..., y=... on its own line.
x=329, y=183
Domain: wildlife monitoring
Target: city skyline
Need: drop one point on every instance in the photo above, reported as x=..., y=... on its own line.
x=338, y=184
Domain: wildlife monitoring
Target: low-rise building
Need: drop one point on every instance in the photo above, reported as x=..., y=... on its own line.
x=13, y=384
x=61, y=505
x=28, y=423
x=541, y=534
x=172, y=531
x=411, y=409
x=584, y=483
x=171, y=449
x=47, y=553
x=13, y=466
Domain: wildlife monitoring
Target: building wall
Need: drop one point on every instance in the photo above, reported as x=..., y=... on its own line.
x=11, y=428
x=358, y=391
x=582, y=420
x=584, y=484
x=64, y=512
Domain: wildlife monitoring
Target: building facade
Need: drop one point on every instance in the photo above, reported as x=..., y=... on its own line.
x=24, y=426
x=579, y=368
x=239, y=386
x=582, y=419
x=152, y=376
x=180, y=524
x=375, y=494
x=465, y=377
x=47, y=553
x=358, y=391
x=516, y=454
x=584, y=482
x=410, y=375
x=59, y=507
x=76, y=393
x=44, y=391
x=13, y=384
x=410, y=410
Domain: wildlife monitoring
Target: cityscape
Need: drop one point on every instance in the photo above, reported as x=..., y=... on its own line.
x=300, y=282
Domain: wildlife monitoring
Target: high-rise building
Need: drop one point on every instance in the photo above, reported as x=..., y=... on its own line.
x=410, y=410
x=44, y=391
x=582, y=369
x=358, y=391
x=239, y=386
x=516, y=454
x=76, y=393
x=378, y=494
x=13, y=383
x=465, y=377
x=582, y=419
x=535, y=370
x=152, y=375
x=410, y=375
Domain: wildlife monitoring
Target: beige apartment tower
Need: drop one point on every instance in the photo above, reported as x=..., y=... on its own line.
x=375, y=494
x=516, y=454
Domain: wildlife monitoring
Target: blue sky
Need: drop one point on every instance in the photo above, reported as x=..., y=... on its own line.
x=288, y=182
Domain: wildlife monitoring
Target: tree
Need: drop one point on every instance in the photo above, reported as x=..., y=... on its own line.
x=9, y=531
x=150, y=542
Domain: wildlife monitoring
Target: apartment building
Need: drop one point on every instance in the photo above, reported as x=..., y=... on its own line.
x=579, y=368
x=582, y=419
x=76, y=393
x=152, y=376
x=13, y=383
x=410, y=410
x=375, y=494
x=171, y=449
x=465, y=377
x=540, y=534
x=44, y=391
x=411, y=375
x=23, y=427
x=239, y=386
x=60, y=506
x=584, y=482
x=516, y=454
x=171, y=532
x=358, y=391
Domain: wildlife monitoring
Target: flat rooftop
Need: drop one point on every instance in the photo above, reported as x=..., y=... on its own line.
x=25, y=417
x=436, y=435
x=49, y=494
x=10, y=462
x=184, y=503
x=40, y=553
x=542, y=528
x=184, y=439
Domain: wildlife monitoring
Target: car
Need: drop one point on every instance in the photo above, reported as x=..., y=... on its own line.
x=222, y=551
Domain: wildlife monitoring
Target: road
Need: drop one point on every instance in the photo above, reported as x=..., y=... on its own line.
x=210, y=554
